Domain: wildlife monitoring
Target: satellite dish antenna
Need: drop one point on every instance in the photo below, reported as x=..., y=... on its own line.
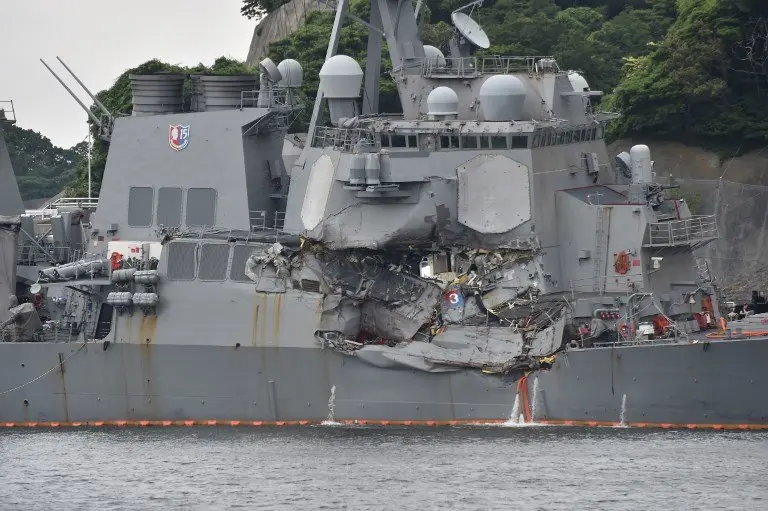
x=470, y=29
x=35, y=288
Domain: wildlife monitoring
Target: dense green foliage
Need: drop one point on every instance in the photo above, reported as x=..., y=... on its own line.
x=258, y=8
x=41, y=168
x=706, y=82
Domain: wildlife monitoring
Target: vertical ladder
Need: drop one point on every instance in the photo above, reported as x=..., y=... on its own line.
x=599, y=249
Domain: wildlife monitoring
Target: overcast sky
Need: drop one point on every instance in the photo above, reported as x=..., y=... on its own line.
x=99, y=40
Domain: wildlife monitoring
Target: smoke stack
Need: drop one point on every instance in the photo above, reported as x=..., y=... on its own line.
x=157, y=94
x=221, y=92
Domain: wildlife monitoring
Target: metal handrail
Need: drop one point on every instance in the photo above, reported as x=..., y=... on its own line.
x=688, y=231
x=259, y=220
x=344, y=139
x=492, y=64
x=6, y=115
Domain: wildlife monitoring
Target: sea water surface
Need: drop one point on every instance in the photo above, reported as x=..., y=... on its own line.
x=529, y=468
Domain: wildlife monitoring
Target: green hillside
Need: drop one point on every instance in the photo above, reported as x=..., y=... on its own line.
x=42, y=169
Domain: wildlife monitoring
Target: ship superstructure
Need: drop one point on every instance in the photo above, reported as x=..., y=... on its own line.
x=409, y=266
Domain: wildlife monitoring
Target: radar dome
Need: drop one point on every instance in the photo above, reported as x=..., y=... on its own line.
x=578, y=82
x=291, y=72
x=341, y=77
x=435, y=56
x=442, y=101
x=502, y=97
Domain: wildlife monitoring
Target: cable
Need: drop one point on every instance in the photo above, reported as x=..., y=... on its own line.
x=49, y=371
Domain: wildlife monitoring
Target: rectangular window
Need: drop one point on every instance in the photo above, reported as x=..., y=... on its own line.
x=485, y=142
x=240, y=256
x=469, y=142
x=201, y=207
x=214, y=258
x=454, y=142
x=169, y=207
x=568, y=136
x=140, y=202
x=577, y=136
x=445, y=142
x=498, y=142
x=519, y=142
x=182, y=259
x=536, y=140
x=413, y=141
x=398, y=141
x=385, y=141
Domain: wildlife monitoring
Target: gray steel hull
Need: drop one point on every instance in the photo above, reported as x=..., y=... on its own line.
x=178, y=382
x=720, y=382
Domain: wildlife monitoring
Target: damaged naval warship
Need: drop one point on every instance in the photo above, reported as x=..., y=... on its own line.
x=474, y=257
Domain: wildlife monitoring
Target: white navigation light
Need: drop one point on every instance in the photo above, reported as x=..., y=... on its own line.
x=292, y=74
x=471, y=30
x=435, y=56
x=341, y=77
x=502, y=98
x=442, y=101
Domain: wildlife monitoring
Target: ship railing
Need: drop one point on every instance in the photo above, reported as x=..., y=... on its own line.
x=51, y=207
x=344, y=139
x=693, y=231
x=31, y=252
x=262, y=221
x=275, y=98
x=58, y=331
x=639, y=342
x=7, y=112
x=492, y=64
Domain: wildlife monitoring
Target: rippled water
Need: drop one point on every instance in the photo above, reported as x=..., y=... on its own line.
x=529, y=468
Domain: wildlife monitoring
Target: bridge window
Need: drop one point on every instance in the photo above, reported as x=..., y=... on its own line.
x=413, y=141
x=169, y=207
x=240, y=256
x=214, y=258
x=449, y=142
x=398, y=141
x=201, y=207
x=182, y=259
x=140, y=202
x=498, y=142
x=519, y=142
x=469, y=141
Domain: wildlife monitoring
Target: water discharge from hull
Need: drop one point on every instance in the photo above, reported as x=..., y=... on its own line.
x=623, y=414
x=331, y=420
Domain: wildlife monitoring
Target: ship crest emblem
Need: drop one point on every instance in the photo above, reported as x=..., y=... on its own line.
x=178, y=136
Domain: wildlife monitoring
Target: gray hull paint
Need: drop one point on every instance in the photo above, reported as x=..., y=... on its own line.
x=704, y=383
x=162, y=382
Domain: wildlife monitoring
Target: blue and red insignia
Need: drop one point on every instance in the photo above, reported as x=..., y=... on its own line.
x=453, y=298
x=178, y=136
